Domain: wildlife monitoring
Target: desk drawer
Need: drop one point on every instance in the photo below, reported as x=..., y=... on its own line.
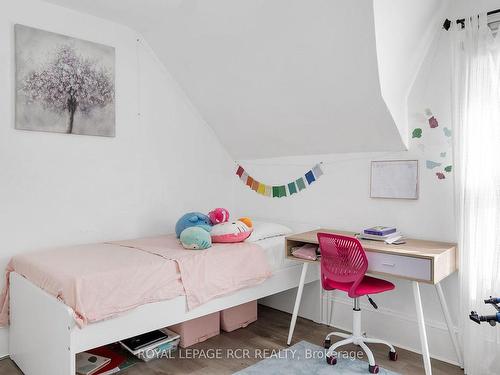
x=403, y=266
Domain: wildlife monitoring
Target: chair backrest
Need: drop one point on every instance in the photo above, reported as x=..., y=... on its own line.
x=343, y=259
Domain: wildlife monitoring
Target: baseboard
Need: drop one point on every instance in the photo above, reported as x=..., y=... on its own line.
x=310, y=307
x=393, y=313
x=394, y=326
x=4, y=342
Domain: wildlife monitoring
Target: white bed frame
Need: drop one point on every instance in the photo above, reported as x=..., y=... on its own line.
x=44, y=339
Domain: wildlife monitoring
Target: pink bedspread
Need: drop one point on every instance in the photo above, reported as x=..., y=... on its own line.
x=206, y=274
x=100, y=281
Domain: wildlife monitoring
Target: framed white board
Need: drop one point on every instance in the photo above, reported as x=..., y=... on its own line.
x=396, y=179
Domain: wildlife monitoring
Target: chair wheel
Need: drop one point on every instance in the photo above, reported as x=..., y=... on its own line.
x=393, y=356
x=373, y=369
x=331, y=360
x=327, y=344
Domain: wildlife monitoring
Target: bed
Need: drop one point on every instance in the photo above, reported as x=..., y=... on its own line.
x=46, y=333
x=275, y=254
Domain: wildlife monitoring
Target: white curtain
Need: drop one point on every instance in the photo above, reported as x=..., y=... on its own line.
x=476, y=127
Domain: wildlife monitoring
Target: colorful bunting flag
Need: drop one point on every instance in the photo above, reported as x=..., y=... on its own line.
x=300, y=184
x=268, y=191
x=279, y=191
x=249, y=182
x=318, y=172
x=310, y=177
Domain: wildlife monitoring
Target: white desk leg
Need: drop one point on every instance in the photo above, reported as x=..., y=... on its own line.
x=449, y=323
x=421, y=328
x=297, y=301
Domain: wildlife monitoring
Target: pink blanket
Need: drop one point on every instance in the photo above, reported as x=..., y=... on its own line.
x=100, y=281
x=206, y=274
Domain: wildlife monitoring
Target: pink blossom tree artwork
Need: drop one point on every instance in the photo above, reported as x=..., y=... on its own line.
x=66, y=87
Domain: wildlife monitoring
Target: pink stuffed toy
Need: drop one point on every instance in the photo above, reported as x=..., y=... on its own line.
x=236, y=231
x=218, y=215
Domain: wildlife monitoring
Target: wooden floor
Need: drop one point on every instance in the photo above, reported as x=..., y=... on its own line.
x=270, y=333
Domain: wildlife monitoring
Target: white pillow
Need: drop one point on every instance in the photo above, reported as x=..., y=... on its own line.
x=262, y=230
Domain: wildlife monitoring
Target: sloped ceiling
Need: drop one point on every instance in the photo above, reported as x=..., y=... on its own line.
x=272, y=78
x=404, y=30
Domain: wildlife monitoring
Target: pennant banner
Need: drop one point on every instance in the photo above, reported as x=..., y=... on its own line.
x=279, y=191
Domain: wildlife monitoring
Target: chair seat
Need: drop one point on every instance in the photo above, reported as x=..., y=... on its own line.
x=369, y=285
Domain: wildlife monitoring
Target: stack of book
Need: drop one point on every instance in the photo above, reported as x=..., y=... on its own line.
x=151, y=345
x=105, y=360
x=380, y=233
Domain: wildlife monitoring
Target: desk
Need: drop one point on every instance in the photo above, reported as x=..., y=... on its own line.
x=418, y=261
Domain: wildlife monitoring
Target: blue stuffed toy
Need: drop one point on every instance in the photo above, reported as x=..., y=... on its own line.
x=195, y=238
x=193, y=219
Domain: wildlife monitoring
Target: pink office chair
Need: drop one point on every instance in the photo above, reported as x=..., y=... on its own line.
x=343, y=267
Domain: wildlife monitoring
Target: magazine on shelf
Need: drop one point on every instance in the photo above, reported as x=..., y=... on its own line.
x=120, y=358
x=89, y=364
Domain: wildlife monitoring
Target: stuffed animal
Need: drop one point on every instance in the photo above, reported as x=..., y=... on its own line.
x=218, y=215
x=195, y=238
x=247, y=221
x=192, y=219
x=232, y=231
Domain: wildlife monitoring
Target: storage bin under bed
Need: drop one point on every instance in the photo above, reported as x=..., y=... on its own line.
x=197, y=330
x=238, y=316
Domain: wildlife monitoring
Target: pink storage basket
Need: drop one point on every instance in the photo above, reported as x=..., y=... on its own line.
x=197, y=330
x=238, y=316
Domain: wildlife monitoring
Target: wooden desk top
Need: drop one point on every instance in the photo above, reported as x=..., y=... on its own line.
x=414, y=248
x=441, y=255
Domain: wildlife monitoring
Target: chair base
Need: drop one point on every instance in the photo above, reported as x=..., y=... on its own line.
x=357, y=338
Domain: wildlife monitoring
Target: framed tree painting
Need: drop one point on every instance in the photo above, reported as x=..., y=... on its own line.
x=63, y=84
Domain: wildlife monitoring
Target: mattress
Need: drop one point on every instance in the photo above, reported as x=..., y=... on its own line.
x=274, y=249
x=99, y=281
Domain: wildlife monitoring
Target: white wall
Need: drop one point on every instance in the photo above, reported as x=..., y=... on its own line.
x=278, y=70
x=404, y=30
x=464, y=8
x=58, y=189
x=340, y=199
